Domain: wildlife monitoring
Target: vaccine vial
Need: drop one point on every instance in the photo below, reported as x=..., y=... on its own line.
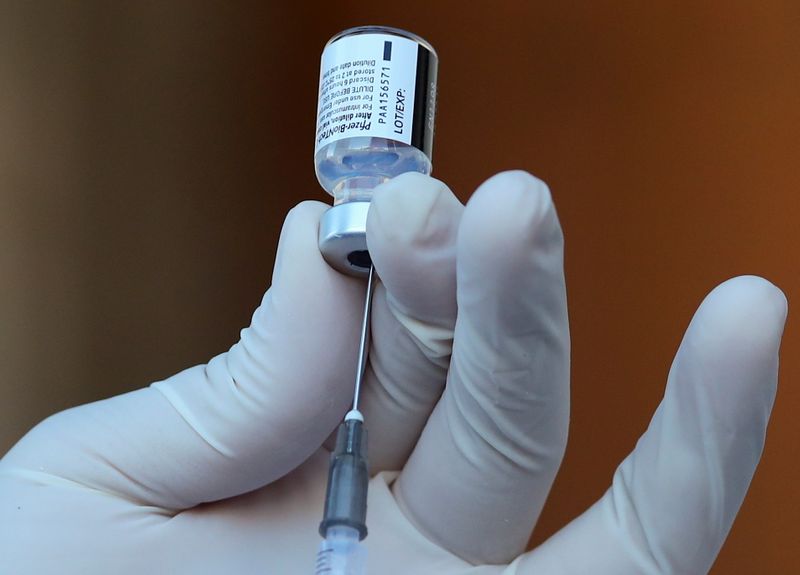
x=375, y=119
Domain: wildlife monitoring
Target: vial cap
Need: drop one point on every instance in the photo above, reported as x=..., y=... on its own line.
x=343, y=238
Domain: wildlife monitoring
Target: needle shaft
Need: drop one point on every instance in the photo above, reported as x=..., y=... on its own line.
x=363, y=346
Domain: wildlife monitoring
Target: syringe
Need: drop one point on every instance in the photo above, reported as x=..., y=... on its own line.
x=354, y=152
x=343, y=525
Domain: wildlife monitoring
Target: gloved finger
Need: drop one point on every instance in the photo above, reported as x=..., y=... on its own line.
x=674, y=498
x=481, y=471
x=246, y=418
x=411, y=232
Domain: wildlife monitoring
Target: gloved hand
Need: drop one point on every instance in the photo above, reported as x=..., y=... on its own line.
x=220, y=468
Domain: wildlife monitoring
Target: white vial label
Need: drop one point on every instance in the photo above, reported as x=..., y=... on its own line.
x=366, y=88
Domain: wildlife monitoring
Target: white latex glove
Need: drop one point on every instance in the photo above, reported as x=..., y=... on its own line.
x=219, y=469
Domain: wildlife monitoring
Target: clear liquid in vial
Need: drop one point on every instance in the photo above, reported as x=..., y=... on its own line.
x=350, y=168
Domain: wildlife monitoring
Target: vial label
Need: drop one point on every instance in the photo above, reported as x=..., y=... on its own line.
x=367, y=87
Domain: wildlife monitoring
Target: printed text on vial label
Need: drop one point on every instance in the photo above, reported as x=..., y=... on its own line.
x=364, y=96
x=346, y=98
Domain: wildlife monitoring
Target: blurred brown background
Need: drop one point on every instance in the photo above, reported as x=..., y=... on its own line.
x=149, y=152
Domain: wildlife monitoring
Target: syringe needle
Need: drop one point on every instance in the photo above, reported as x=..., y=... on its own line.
x=343, y=523
x=363, y=347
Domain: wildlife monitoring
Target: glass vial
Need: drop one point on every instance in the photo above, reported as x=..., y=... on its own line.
x=375, y=118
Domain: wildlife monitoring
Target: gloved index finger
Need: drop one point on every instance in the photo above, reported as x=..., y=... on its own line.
x=411, y=232
x=483, y=466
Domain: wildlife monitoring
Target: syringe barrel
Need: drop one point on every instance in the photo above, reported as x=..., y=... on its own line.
x=341, y=553
x=348, y=476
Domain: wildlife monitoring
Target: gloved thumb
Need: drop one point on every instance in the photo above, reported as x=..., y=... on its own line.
x=246, y=418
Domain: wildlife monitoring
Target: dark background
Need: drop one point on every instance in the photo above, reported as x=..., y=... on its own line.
x=149, y=152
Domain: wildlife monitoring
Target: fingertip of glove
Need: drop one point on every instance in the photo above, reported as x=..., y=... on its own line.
x=298, y=247
x=411, y=211
x=412, y=230
x=509, y=214
x=307, y=212
x=753, y=293
x=748, y=309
